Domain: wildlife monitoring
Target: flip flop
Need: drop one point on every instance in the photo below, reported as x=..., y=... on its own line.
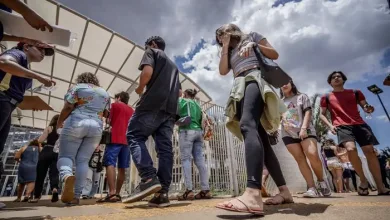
x=384, y=194
x=361, y=191
x=235, y=209
x=284, y=200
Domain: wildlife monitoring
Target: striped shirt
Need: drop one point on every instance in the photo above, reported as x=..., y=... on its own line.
x=238, y=63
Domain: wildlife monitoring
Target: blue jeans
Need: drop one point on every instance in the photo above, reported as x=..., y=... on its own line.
x=92, y=183
x=78, y=140
x=191, y=144
x=159, y=124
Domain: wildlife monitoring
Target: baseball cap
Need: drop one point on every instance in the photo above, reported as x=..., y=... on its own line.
x=48, y=50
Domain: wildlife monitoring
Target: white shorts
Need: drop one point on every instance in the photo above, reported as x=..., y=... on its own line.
x=333, y=163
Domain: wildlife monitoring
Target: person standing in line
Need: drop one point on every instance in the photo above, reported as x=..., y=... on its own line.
x=347, y=166
x=93, y=177
x=249, y=117
x=382, y=164
x=191, y=144
x=349, y=127
x=81, y=120
x=47, y=161
x=154, y=115
x=299, y=136
x=27, y=157
x=118, y=151
x=334, y=164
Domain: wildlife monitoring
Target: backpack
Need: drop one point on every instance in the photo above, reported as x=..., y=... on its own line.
x=207, y=126
x=328, y=103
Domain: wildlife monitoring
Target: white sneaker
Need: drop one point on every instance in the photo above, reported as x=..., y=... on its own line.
x=325, y=191
x=2, y=205
x=311, y=193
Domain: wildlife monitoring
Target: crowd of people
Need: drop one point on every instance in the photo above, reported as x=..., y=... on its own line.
x=254, y=111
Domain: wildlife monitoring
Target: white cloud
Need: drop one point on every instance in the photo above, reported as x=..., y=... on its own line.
x=382, y=118
x=313, y=38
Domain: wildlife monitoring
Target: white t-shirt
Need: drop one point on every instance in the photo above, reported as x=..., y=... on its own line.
x=292, y=119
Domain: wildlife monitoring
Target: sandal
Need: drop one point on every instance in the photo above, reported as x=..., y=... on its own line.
x=236, y=209
x=384, y=194
x=54, y=197
x=272, y=200
x=187, y=195
x=25, y=199
x=264, y=192
x=74, y=202
x=363, y=191
x=35, y=200
x=17, y=200
x=109, y=198
x=204, y=194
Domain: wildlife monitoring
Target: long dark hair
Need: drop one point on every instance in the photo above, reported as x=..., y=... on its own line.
x=294, y=90
x=191, y=93
x=235, y=34
x=53, y=121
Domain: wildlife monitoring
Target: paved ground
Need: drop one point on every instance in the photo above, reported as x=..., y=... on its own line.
x=338, y=207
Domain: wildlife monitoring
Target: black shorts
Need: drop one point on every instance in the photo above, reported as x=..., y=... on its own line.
x=361, y=134
x=290, y=140
x=347, y=173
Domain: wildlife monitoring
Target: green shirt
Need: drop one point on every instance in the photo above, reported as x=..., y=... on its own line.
x=195, y=113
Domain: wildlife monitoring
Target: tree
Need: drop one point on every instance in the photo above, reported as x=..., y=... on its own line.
x=386, y=152
x=321, y=129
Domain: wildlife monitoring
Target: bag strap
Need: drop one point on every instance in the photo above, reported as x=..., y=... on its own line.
x=188, y=109
x=356, y=95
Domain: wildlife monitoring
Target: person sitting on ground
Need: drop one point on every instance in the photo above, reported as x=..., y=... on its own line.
x=27, y=157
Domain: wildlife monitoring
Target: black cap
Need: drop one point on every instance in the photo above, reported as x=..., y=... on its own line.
x=48, y=51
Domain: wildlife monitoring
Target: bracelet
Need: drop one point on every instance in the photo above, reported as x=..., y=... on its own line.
x=366, y=106
x=303, y=128
x=223, y=54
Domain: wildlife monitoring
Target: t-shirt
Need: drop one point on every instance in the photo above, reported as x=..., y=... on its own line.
x=195, y=114
x=162, y=91
x=120, y=115
x=90, y=100
x=15, y=86
x=237, y=63
x=343, y=107
x=292, y=119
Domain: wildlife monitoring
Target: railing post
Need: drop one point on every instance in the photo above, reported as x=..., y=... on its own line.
x=232, y=163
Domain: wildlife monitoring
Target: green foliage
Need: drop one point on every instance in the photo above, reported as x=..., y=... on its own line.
x=321, y=128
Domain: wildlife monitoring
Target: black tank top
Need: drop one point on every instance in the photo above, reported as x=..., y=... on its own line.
x=52, y=137
x=329, y=153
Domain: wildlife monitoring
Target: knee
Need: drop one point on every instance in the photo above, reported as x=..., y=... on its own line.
x=185, y=157
x=313, y=156
x=247, y=125
x=368, y=150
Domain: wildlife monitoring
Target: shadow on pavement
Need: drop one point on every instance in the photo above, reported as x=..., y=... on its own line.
x=47, y=217
x=145, y=206
x=18, y=206
x=301, y=209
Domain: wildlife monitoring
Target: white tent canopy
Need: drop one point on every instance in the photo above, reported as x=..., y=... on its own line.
x=97, y=49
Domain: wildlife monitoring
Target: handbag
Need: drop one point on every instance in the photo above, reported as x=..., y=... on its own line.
x=186, y=120
x=106, y=136
x=270, y=71
x=273, y=138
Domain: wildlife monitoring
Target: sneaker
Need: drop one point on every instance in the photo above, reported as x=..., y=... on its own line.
x=159, y=200
x=311, y=193
x=324, y=189
x=143, y=190
x=2, y=205
x=67, y=194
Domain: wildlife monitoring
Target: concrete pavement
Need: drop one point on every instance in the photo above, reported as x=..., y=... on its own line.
x=338, y=207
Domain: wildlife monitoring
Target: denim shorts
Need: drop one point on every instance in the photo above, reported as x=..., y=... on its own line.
x=117, y=152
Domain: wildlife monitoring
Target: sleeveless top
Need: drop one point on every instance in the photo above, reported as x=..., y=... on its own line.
x=329, y=153
x=52, y=137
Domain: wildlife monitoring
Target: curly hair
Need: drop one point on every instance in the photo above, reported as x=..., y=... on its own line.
x=88, y=78
x=157, y=40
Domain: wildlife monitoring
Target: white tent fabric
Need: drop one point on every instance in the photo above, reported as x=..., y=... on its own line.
x=97, y=49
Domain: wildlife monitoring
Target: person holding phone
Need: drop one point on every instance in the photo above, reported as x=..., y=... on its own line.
x=299, y=135
x=350, y=128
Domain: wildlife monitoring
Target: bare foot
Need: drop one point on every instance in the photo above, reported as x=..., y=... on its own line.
x=250, y=202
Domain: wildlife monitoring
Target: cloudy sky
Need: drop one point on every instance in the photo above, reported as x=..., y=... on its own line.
x=313, y=38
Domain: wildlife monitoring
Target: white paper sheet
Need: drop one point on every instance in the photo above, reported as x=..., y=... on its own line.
x=16, y=25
